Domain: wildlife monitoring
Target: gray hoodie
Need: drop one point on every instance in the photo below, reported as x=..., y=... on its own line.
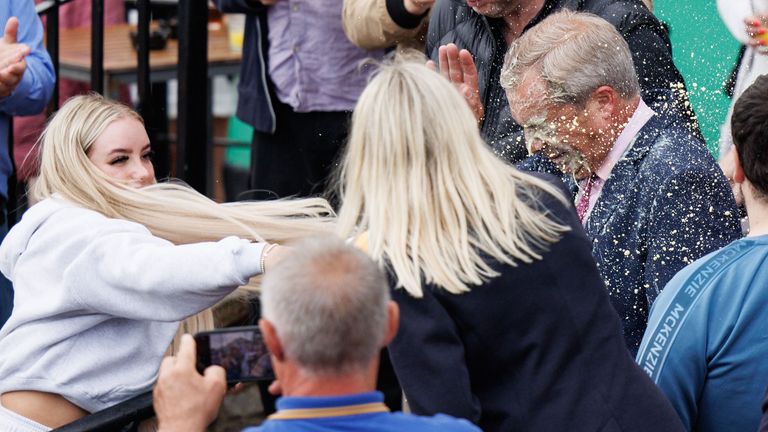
x=98, y=300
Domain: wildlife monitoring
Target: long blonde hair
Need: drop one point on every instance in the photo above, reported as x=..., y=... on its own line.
x=419, y=180
x=169, y=210
x=172, y=211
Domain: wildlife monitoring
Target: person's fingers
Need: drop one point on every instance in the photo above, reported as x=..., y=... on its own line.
x=454, y=64
x=442, y=55
x=13, y=55
x=468, y=69
x=17, y=69
x=215, y=378
x=756, y=31
x=275, y=388
x=167, y=363
x=216, y=374
x=9, y=79
x=237, y=388
x=431, y=66
x=187, y=351
x=751, y=21
x=11, y=30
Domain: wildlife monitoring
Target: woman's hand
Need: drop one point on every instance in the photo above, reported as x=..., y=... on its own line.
x=757, y=32
x=273, y=254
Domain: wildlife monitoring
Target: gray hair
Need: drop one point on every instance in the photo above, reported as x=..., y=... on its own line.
x=328, y=304
x=573, y=53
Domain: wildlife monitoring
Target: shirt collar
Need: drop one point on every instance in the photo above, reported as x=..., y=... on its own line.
x=639, y=118
x=300, y=402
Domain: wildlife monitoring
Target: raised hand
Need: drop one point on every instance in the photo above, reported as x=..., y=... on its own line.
x=12, y=54
x=757, y=32
x=459, y=68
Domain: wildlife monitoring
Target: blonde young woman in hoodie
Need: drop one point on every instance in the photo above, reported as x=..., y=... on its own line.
x=109, y=262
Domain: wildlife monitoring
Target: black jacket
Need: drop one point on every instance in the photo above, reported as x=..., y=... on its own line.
x=538, y=348
x=453, y=21
x=255, y=91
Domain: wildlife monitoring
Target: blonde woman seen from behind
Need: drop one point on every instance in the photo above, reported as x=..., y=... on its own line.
x=504, y=318
x=109, y=262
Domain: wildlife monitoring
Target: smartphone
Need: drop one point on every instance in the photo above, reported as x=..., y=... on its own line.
x=239, y=350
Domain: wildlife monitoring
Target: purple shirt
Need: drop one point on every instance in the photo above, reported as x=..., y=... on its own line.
x=312, y=63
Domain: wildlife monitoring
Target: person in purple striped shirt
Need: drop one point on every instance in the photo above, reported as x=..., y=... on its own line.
x=300, y=79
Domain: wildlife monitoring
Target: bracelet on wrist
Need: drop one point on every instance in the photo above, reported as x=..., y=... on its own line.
x=264, y=253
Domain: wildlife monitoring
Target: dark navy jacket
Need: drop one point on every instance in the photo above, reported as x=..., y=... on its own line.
x=454, y=21
x=538, y=348
x=254, y=104
x=665, y=204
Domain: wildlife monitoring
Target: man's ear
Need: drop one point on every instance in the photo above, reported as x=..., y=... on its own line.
x=393, y=322
x=273, y=343
x=738, y=170
x=605, y=100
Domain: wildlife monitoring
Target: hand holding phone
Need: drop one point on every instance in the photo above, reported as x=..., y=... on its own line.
x=184, y=399
x=239, y=350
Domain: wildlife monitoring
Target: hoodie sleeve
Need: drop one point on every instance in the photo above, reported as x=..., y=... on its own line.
x=119, y=268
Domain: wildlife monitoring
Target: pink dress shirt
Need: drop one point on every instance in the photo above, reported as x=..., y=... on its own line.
x=623, y=143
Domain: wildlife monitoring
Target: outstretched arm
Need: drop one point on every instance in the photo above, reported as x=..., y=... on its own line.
x=119, y=268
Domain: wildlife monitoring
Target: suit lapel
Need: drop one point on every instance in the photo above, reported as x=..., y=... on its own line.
x=622, y=178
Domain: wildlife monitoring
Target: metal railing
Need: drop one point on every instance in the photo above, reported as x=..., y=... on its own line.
x=123, y=417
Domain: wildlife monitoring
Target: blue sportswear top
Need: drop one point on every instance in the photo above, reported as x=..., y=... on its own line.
x=36, y=86
x=360, y=412
x=706, y=345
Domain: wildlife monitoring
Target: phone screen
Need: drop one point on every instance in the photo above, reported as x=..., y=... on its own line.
x=239, y=350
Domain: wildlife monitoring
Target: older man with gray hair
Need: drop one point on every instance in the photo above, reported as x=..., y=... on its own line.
x=327, y=314
x=650, y=195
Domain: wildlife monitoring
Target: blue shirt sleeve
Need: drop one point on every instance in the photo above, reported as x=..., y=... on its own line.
x=35, y=89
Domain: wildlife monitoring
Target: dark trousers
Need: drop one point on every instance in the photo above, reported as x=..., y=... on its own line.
x=298, y=158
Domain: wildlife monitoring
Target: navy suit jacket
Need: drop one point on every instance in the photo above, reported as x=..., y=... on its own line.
x=665, y=204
